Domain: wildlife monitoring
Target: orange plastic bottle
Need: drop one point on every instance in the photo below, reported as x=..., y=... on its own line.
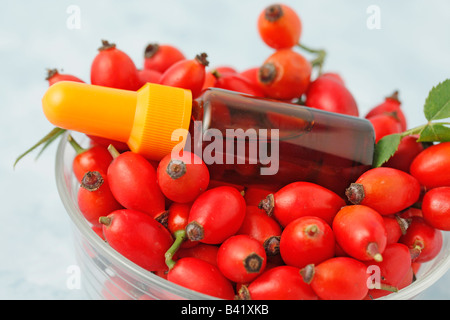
x=245, y=140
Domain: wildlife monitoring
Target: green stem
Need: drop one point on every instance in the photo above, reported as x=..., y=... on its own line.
x=320, y=58
x=180, y=236
x=76, y=146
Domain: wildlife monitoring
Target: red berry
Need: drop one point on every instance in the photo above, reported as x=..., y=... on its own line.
x=238, y=83
x=423, y=240
x=278, y=283
x=114, y=68
x=241, y=258
x=432, y=166
x=182, y=178
x=279, y=26
x=339, y=278
x=307, y=240
x=54, y=76
x=216, y=215
x=144, y=245
x=133, y=182
x=395, y=227
x=159, y=57
x=387, y=190
x=436, y=208
x=201, y=276
x=263, y=228
x=393, y=269
x=300, y=199
x=96, y=158
x=285, y=75
x=389, y=105
x=360, y=232
x=407, y=151
x=202, y=251
x=149, y=76
x=177, y=219
x=385, y=124
x=187, y=74
x=325, y=93
x=95, y=198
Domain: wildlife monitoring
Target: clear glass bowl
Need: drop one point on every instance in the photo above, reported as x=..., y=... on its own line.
x=106, y=274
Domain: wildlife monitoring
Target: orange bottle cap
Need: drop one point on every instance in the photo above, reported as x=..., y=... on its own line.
x=144, y=119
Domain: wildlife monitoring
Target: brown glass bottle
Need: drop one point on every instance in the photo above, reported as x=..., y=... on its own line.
x=247, y=140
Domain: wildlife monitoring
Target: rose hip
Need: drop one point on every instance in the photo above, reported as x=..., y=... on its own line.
x=278, y=283
x=132, y=180
x=299, y=199
x=144, y=245
x=360, y=232
x=241, y=258
x=307, y=240
x=387, y=190
x=216, y=215
x=95, y=198
x=436, y=208
x=339, y=278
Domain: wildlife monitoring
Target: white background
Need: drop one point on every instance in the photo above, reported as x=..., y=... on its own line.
x=409, y=53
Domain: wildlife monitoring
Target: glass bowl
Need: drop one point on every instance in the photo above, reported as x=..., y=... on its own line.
x=106, y=274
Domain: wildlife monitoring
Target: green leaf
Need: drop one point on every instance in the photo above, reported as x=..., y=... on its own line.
x=385, y=149
x=435, y=132
x=45, y=141
x=437, y=104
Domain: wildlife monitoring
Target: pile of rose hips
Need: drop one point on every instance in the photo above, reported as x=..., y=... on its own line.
x=302, y=241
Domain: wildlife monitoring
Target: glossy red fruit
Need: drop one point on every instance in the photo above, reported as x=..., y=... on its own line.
x=278, y=283
x=216, y=215
x=105, y=142
x=54, y=76
x=114, y=68
x=339, y=278
x=253, y=194
x=300, y=199
x=387, y=190
x=393, y=269
x=159, y=57
x=423, y=240
x=133, y=183
x=432, y=166
x=285, y=75
x=436, y=208
x=145, y=245
x=187, y=74
x=360, y=232
x=241, y=258
x=325, y=93
x=263, y=228
x=238, y=83
x=95, y=198
x=279, y=26
x=202, y=251
x=335, y=76
x=407, y=151
x=201, y=276
x=251, y=74
x=149, y=76
x=96, y=158
x=307, y=240
x=389, y=105
x=177, y=219
x=182, y=178
x=395, y=227
x=385, y=124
